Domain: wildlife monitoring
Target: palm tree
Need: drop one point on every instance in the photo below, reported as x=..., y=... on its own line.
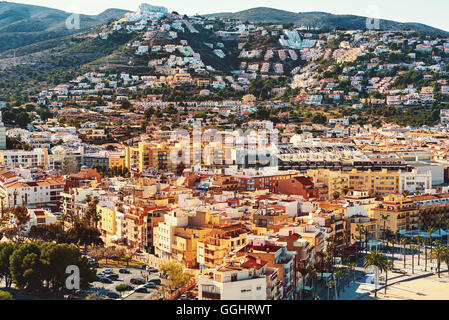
x=366, y=232
x=389, y=266
x=352, y=270
x=412, y=248
x=440, y=219
x=430, y=231
x=446, y=223
x=378, y=260
x=304, y=272
x=321, y=255
x=404, y=242
x=424, y=241
x=339, y=275
x=360, y=229
x=393, y=244
x=384, y=218
x=446, y=257
x=313, y=273
x=439, y=253
x=330, y=285
x=419, y=240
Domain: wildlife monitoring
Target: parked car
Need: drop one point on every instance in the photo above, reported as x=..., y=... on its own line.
x=137, y=281
x=105, y=280
x=155, y=281
x=150, y=285
x=113, y=295
x=124, y=271
x=152, y=270
x=113, y=277
x=143, y=267
x=100, y=276
x=142, y=290
x=108, y=271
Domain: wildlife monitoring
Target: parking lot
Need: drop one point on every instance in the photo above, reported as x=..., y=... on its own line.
x=151, y=294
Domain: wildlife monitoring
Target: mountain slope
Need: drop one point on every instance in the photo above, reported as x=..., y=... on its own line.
x=320, y=20
x=22, y=24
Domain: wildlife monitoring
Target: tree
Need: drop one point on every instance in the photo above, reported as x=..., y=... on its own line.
x=413, y=248
x=92, y=217
x=420, y=242
x=176, y=274
x=304, y=272
x=404, y=243
x=424, y=241
x=430, y=231
x=6, y=250
x=4, y=295
x=319, y=118
x=86, y=235
x=122, y=288
x=17, y=265
x=393, y=244
x=379, y=261
x=313, y=272
x=438, y=253
x=69, y=166
x=21, y=219
x=384, y=218
x=339, y=275
x=440, y=219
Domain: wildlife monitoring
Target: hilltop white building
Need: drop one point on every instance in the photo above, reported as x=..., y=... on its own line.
x=147, y=11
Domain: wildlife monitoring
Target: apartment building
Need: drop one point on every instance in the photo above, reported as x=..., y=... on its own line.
x=277, y=256
x=220, y=242
x=247, y=281
x=147, y=155
x=40, y=217
x=376, y=183
x=401, y=213
x=38, y=158
x=165, y=233
x=33, y=194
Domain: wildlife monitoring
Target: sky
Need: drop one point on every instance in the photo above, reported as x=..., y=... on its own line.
x=431, y=12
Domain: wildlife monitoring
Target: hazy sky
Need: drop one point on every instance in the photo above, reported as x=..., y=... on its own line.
x=431, y=12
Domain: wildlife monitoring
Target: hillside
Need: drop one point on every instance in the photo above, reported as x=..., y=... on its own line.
x=22, y=24
x=320, y=20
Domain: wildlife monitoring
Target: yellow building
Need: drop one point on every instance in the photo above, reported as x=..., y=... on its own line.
x=184, y=249
x=117, y=162
x=377, y=183
x=220, y=242
x=400, y=213
x=108, y=220
x=356, y=224
x=148, y=155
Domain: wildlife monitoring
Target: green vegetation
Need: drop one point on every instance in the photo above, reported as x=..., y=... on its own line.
x=4, y=295
x=176, y=274
x=23, y=24
x=41, y=266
